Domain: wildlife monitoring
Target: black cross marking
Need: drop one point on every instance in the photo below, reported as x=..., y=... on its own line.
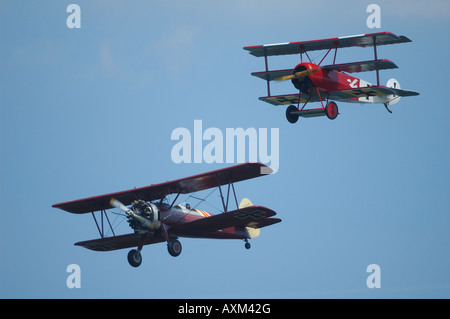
x=360, y=93
x=255, y=215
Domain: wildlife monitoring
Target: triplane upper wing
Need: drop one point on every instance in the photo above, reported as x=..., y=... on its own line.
x=360, y=40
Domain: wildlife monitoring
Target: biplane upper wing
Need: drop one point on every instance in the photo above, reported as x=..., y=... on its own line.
x=361, y=40
x=183, y=186
x=251, y=216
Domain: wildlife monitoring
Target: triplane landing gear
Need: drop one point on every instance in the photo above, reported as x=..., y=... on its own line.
x=293, y=113
x=331, y=110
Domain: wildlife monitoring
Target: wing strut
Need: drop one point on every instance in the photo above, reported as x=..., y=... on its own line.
x=267, y=70
x=225, y=204
x=102, y=229
x=376, y=58
x=173, y=202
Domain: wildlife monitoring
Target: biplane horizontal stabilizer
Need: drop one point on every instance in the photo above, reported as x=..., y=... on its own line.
x=251, y=216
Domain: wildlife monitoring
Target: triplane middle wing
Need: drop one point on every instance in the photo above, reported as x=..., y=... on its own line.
x=316, y=83
x=155, y=221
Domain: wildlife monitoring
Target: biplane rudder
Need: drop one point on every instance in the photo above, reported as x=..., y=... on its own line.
x=252, y=232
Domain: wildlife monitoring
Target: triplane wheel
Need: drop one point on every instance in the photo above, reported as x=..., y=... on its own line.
x=174, y=247
x=134, y=258
x=292, y=118
x=331, y=110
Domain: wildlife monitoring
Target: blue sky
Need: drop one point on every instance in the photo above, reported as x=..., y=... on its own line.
x=90, y=111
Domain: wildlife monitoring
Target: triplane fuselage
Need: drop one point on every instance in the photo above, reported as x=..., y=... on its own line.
x=154, y=221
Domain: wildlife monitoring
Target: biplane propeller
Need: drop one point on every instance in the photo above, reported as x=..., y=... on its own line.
x=154, y=221
x=317, y=83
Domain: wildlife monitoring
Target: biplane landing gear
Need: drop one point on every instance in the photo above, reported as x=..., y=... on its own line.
x=174, y=247
x=331, y=110
x=292, y=118
x=247, y=244
x=134, y=258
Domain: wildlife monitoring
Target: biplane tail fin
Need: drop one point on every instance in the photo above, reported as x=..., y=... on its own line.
x=252, y=232
x=245, y=202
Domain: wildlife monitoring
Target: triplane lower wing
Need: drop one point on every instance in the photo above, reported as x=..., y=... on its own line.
x=316, y=83
x=155, y=221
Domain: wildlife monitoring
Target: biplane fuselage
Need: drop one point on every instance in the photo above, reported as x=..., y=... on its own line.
x=180, y=215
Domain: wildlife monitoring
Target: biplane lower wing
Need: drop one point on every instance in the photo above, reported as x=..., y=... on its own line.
x=252, y=216
x=119, y=242
x=186, y=185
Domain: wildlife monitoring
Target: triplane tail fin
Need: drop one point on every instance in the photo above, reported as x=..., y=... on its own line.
x=394, y=84
x=253, y=232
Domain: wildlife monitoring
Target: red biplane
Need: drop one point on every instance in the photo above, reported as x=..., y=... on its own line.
x=316, y=83
x=155, y=221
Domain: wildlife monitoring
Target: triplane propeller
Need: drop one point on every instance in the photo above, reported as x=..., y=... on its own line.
x=154, y=221
x=324, y=83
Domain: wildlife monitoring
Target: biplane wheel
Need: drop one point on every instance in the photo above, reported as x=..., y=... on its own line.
x=292, y=118
x=134, y=258
x=331, y=110
x=247, y=245
x=174, y=247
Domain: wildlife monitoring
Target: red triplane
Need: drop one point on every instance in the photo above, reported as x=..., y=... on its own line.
x=316, y=83
x=155, y=221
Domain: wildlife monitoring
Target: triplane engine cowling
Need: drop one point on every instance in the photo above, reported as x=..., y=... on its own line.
x=303, y=83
